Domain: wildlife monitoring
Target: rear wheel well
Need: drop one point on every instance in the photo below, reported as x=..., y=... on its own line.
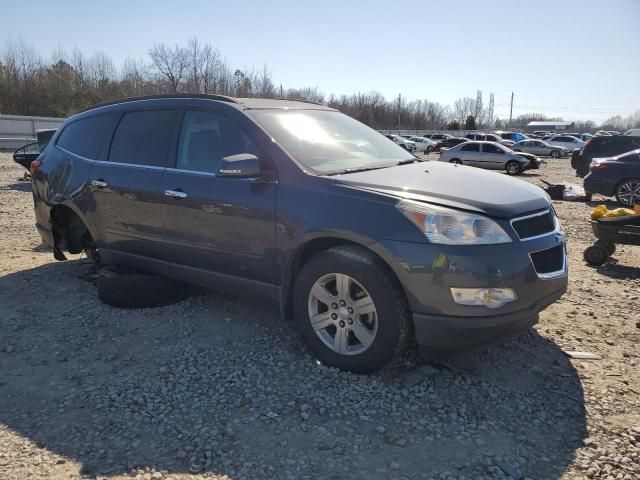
x=310, y=249
x=69, y=231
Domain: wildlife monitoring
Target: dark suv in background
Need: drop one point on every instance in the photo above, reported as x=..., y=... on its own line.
x=365, y=245
x=601, y=147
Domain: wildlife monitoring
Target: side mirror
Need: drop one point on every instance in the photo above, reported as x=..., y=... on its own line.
x=243, y=165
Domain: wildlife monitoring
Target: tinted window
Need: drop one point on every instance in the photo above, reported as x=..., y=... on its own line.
x=490, y=148
x=142, y=138
x=208, y=137
x=87, y=136
x=470, y=147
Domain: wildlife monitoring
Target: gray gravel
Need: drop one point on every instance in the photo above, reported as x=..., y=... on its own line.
x=221, y=388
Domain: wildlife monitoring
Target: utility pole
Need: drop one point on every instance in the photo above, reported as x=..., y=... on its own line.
x=511, y=110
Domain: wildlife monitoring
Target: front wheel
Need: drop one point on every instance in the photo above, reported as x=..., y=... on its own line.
x=628, y=192
x=350, y=311
x=513, y=168
x=456, y=161
x=555, y=154
x=430, y=149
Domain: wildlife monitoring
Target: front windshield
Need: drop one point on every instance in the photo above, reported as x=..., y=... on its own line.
x=328, y=141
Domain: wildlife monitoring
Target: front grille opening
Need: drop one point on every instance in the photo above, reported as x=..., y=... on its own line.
x=548, y=261
x=535, y=226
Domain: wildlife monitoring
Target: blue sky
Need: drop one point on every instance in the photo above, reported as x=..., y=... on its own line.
x=575, y=59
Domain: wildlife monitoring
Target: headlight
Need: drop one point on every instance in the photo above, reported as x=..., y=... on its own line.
x=453, y=227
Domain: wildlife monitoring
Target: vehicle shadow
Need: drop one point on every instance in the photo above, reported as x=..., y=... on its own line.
x=216, y=385
x=18, y=186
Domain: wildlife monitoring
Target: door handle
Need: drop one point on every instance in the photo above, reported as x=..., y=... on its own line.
x=175, y=194
x=99, y=183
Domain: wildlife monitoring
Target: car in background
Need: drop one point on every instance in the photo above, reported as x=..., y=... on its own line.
x=617, y=176
x=600, y=147
x=489, y=155
x=540, y=147
x=540, y=133
x=513, y=136
x=602, y=133
x=423, y=144
x=634, y=132
x=450, y=142
x=438, y=137
x=405, y=143
x=488, y=137
x=30, y=152
x=613, y=132
x=566, y=141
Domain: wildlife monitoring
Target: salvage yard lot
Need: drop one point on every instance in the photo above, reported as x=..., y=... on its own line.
x=217, y=387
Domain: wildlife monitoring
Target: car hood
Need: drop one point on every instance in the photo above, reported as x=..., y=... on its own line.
x=456, y=186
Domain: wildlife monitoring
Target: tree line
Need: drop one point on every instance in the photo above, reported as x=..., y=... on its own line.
x=72, y=81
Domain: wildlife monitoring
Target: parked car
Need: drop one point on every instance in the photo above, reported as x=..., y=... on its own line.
x=602, y=133
x=423, y=144
x=540, y=134
x=617, y=176
x=540, y=147
x=364, y=245
x=489, y=155
x=513, y=136
x=28, y=153
x=613, y=132
x=600, y=147
x=566, y=141
x=405, y=143
x=634, y=132
x=450, y=142
x=438, y=137
x=488, y=137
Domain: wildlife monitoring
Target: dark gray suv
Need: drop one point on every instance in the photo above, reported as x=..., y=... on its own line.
x=363, y=244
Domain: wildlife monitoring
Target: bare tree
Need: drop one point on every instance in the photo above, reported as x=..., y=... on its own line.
x=170, y=63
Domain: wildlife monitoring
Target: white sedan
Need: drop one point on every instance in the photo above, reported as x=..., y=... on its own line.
x=423, y=144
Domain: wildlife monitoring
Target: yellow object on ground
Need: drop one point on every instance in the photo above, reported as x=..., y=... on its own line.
x=602, y=211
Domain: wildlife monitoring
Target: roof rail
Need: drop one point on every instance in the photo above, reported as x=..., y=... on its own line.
x=294, y=99
x=207, y=96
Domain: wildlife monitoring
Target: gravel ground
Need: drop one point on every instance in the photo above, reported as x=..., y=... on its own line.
x=214, y=387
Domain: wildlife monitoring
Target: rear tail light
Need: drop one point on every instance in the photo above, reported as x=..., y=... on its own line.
x=34, y=166
x=597, y=166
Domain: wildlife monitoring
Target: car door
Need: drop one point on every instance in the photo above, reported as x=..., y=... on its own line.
x=219, y=230
x=27, y=154
x=493, y=157
x=536, y=147
x=126, y=186
x=469, y=153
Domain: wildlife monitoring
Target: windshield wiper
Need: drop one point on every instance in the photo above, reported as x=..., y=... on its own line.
x=360, y=169
x=409, y=160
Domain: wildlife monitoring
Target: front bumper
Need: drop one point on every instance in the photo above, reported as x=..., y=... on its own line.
x=428, y=272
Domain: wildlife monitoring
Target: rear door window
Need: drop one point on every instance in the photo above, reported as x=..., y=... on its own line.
x=87, y=136
x=142, y=138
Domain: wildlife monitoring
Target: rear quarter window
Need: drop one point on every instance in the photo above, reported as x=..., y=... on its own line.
x=87, y=136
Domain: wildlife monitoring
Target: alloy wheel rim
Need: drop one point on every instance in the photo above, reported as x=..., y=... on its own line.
x=629, y=193
x=512, y=168
x=342, y=314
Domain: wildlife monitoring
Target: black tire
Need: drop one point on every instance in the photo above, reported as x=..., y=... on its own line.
x=513, y=168
x=429, y=148
x=392, y=312
x=628, y=183
x=595, y=255
x=608, y=246
x=126, y=288
x=456, y=161
x=555, y=154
